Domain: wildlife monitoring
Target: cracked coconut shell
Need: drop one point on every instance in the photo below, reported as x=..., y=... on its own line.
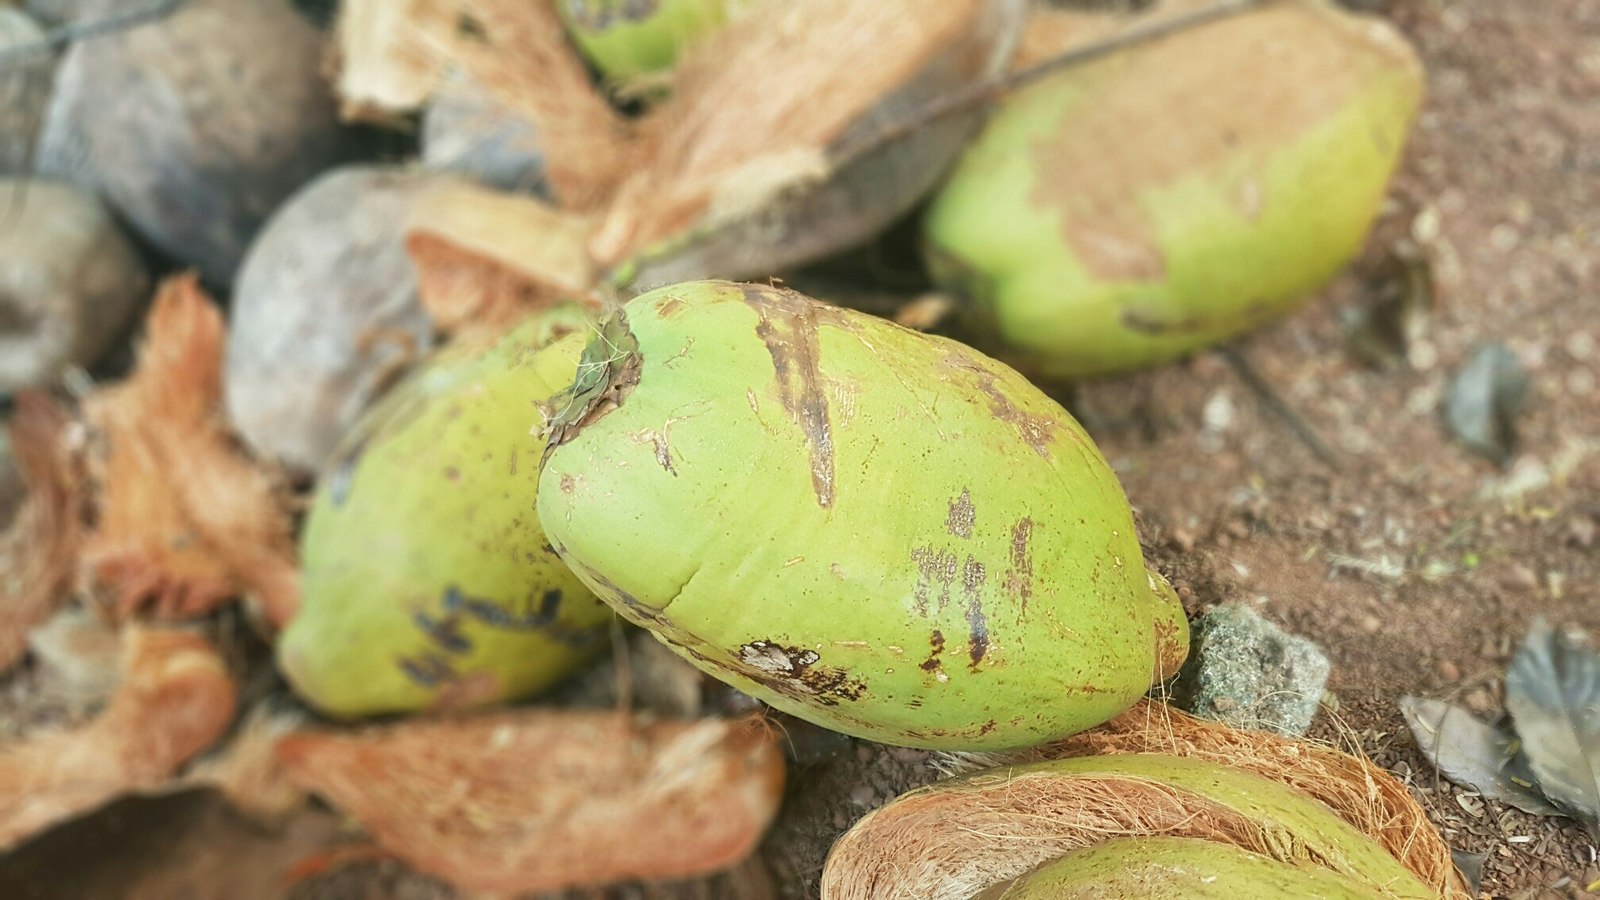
x=882, y=532
x=427, y=580
x=1135, y=209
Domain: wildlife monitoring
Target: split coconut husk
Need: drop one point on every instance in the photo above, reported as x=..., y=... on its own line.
x=540, y=800
x=175, y=699
x=958, y=838
x=39, y=552
x=1365, y=795
x=385, y=60
x=185, y=519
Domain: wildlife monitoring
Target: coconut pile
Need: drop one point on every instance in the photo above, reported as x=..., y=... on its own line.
x=493, y=428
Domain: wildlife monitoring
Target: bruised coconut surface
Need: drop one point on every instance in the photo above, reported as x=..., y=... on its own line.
x=877, y=530
x=1226, y=203
x=476, y=607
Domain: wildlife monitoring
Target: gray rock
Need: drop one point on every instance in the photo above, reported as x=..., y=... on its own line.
x=1247, y=672
x=467, y=130
x=326, y=301
x=24, y=91
x=69, y=281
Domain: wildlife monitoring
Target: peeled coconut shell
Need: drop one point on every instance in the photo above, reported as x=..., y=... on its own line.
x=951, y=840
x=1177, y=193
x=326, y=311
x=197, y=125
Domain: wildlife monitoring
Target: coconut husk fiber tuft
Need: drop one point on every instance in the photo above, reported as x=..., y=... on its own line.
x=39, y=552
x=1360, y=792
x=185, y=519
x=175, y=699
x=543, y=799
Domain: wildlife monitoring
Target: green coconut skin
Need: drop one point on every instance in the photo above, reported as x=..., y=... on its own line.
x=427, y=581
x=626, y=39
x=1128, y=212
x=882, y=532
x=1164, y=868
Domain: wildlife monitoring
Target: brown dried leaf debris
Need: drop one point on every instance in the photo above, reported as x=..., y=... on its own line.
x=185, y=519
x=175, y=699
x=537, y=800
x=39, y=552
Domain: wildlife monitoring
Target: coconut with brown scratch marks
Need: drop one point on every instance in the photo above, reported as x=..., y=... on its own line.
x=882, y=532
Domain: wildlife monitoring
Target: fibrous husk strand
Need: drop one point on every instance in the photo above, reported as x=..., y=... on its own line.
x=1360, y=792
x=538, y=800
x=39, y=552
x=756, y=107
x=185, y=519
x=175, y=699
x=389, y=54
x=520, y=52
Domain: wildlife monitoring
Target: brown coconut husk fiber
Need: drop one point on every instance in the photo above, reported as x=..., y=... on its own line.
x=756, y=107
x=39, y=552
x=1361, y=793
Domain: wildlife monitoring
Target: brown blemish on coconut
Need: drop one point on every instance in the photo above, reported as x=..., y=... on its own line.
x=1172, y=650
x=1117, y=251
x=1019, y=578
x=933, y=567
x=962, y=515
x=796, y=672
x=972, y=576
x=670, y=307
x=936, y=647
x=788, y=327
x=1038, y=431
x=1145, y=323
x=567, y=484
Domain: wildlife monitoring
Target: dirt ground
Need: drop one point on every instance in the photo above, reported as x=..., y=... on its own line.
x=1416, y=564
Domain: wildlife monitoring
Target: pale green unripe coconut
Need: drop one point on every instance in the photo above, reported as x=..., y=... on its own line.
x=1132, y=210
x=883, y=532
x=427, y=580
x=1166, y=868
x=629, y=38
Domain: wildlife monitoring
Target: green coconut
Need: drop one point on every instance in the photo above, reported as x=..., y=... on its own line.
x=427, y=580
x=882, y=532
x=626, y=39
x=955, y=839
x=1130, y=211
x=1162, y=868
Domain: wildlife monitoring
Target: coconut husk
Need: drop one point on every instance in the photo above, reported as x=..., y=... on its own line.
x=536, y=800
x=757, y=107
x=388, y=55
x=175, y=699
x=39, y=552
x=185, y=519
x=247, y=770
x=485, y=260
x=520, y=52
x=77, y=659
x=1051, y=31
x=1360, y=792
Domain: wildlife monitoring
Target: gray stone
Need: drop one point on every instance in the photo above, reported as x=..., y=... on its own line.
x=24, y=90
x=468, y=131
x=1247, y=672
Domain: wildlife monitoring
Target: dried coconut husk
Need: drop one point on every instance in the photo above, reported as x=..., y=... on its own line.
x=956, y=838
x=385, y=59
x=1052, y=30
x=1360, y=792
x=537, y=800
x=185, y=519
x=39, y=552
x=77, y=660
x=175, y=699
x=738, y=177
x=247, y=770
x=519, y=51
x=486, y=260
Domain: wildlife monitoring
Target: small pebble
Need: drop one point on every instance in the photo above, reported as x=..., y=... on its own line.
x=1520, y=579
x=1448, y=672
x=1371, y=624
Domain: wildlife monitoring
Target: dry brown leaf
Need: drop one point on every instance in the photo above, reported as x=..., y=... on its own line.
x=175, y=699
x=185, y=520
x=1363, y=794
x=486, y=259
x=545, y=799
x=756, y=107
x=520, y=52
x=39, y=552
x=389, y=54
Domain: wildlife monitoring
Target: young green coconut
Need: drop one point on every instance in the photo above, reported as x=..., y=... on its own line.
x=1132, y=210
x=882, y=532
x=1159, y=825
x=427, y=580
x=627, y=39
